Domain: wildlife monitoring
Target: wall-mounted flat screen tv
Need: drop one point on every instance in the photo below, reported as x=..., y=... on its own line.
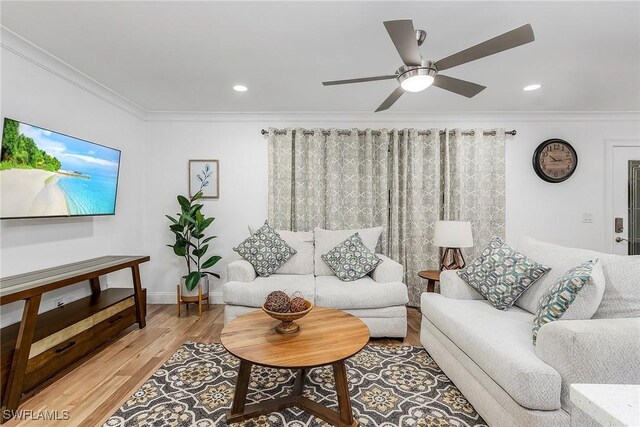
x=48, y=174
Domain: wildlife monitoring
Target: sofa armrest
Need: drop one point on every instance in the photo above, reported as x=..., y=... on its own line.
x=240, y=270
x=452, y=286
x=595, y=351
x=388, y=270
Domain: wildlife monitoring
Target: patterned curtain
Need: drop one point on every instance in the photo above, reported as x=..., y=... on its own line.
x=281, y=179
x=474, y=186
x=335, y=179
x=416, y=204
x=403, y=180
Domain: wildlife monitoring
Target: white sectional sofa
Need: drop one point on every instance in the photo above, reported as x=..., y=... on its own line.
x=490, y=356
x=379, y=299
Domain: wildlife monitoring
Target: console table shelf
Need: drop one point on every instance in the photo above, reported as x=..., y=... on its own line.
x=55, y=320
x=43, y=344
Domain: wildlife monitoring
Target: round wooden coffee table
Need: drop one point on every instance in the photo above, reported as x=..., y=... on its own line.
x=326, y=337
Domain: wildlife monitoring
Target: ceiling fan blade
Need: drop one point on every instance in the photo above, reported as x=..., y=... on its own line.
x=508, y=40
x=391, y=99
x=461, y=87
x=360, y=80
x=404, y=38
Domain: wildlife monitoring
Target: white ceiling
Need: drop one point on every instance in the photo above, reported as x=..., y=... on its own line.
x=186, y=56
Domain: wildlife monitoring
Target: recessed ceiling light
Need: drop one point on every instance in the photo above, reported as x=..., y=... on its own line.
x=532, y=87
x=240, y=88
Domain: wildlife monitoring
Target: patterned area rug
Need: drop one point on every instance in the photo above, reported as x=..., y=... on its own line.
x=389, y=386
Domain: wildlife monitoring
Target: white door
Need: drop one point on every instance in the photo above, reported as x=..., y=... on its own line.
x=625, y=186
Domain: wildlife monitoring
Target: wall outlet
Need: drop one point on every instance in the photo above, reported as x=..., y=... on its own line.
x=587, y=217
x=58, y=302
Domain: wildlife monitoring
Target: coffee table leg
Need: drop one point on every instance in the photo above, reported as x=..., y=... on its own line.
x=342, y=390
x=298, y=385
x=242, y=385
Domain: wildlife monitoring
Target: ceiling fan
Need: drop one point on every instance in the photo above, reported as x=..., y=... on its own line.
x=418, y=73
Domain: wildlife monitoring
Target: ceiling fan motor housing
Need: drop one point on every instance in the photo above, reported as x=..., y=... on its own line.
x=427, y=68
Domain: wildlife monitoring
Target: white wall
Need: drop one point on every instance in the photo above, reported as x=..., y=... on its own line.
x=552, y=212
x=35, y=95
x=243, y=192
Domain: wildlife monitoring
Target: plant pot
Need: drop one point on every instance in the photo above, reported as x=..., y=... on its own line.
x=192, y=295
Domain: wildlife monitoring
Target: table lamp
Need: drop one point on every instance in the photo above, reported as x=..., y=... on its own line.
x=452, y=235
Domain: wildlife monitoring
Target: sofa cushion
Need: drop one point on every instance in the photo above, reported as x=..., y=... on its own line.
x=362, y=293
x=622, y=289
x=326, y=240
x=351, y=260
x=499, y=342
x=501, y=274
x=302, y=243
x=265, y=250
x=574, y=296
x=253, y=294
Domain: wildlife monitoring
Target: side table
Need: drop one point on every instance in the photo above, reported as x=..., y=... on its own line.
x=432, y=276
x=608, y=404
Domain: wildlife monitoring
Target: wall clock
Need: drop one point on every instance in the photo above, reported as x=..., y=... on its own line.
x=555, y=160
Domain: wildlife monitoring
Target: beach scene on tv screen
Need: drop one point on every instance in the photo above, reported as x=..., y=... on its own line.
x=44, y=173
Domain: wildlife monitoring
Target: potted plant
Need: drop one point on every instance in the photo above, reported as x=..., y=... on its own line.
x=189, y=227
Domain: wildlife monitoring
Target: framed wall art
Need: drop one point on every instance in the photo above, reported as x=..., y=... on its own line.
x=204, y=175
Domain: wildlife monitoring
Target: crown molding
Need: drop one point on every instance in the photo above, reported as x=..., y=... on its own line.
x=500, y=117
x=28, y=51
x=22, y=47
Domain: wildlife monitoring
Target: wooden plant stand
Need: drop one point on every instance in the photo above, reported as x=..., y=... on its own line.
x=194, y=299
x=42, y=345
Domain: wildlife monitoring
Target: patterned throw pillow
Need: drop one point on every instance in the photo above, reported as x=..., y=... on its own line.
x=501, y=274
x=556, y=300
x=351, y=260
x=265, y=250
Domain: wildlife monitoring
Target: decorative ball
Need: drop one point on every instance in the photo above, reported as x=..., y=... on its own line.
x=298, y=304
x=278, y=302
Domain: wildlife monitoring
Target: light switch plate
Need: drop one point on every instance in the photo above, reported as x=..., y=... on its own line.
x=587, y=217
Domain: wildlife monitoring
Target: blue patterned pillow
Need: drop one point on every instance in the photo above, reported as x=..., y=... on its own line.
x=501, y=274
x=555, y=302
x=265, y=250
x=351, y=260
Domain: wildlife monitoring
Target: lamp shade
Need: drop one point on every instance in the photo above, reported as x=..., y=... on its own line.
x=453, y=234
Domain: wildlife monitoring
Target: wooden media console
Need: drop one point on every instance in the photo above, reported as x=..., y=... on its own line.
x=41, y=345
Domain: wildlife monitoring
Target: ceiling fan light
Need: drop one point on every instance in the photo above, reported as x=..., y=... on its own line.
x=416, y=79
x=417, y=83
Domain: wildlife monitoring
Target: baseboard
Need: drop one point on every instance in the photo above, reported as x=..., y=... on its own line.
x=170, y=297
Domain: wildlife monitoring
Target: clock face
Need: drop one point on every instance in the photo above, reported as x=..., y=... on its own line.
x=555, y=160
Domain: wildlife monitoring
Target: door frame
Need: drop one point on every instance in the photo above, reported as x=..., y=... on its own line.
x=609, y=146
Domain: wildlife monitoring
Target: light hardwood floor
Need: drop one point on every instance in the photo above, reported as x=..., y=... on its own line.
x=95, y=387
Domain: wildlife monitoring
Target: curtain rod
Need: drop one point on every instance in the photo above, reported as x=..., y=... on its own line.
x=375, y=132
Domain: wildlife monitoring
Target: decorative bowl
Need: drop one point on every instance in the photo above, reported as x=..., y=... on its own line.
x=287, y=324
